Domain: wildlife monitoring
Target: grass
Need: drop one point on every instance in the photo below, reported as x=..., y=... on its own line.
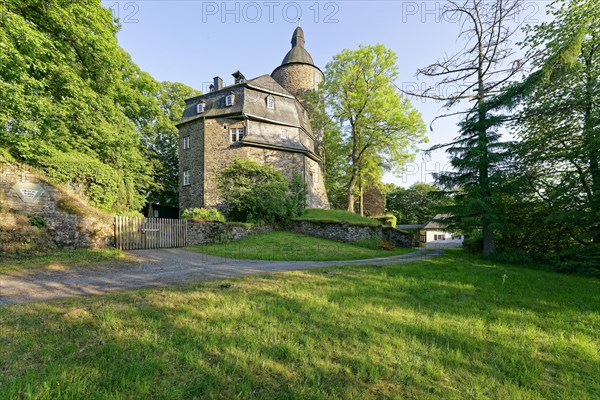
x=447, y=328
x=290, y=246
x=62, y=260
x=316, y=214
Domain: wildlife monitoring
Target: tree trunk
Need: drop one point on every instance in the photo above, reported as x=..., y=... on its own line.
x=489, y=246
x=350, y=193
x=361, y=198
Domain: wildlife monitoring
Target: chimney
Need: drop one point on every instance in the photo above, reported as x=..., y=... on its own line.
x=218, y=83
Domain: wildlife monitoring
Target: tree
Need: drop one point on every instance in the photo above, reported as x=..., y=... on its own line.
x=379, y=127
x=482, y=68
x=416, y=204
x=254, y=192
x=559, y=122
x=71, y=100
x=161, y=139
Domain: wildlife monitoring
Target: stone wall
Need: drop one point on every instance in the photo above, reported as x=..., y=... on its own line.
x=69, y=221
x=202, y=232
x=298, y=79
x=350, y=232
x=192, y=160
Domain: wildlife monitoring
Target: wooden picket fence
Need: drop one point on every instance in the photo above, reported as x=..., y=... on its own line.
x=132, y=233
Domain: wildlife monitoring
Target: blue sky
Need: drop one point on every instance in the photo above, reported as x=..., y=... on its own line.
x=193, y=41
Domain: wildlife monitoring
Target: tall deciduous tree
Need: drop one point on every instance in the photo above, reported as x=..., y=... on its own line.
x=416, y=204
x=482, y=68
x=378, y=125
x=73, y=103
x=161, y=138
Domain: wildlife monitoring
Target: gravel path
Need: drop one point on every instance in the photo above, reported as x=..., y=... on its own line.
x=156, y=268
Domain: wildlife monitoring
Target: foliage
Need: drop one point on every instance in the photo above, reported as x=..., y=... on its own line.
x=206, y=214
x=298, y=196
x=162, y=140
x=388, y=220
x=291, y=246
x=451, y=327
x=582, y=260
x=37, y=220
x=559, y=152
x=254, y=192
x=70, y=94
x=375, y=128
x=416, y=204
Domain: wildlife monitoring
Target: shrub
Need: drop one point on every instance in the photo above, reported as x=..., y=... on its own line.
x=585, y=261
x=254, y=192
x=473, y=244
x=388, y=220
x=385, y=245
x=37, y=220
x=298, y=196
x=207, y=214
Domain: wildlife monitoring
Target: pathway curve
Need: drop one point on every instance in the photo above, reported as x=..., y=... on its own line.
x=156, y=268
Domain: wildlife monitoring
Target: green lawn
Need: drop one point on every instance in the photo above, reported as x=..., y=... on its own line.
x=290, y=246
x=317, y=214
x=453, y=327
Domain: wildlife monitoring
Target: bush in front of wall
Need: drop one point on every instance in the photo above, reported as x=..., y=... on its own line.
x=206, y=214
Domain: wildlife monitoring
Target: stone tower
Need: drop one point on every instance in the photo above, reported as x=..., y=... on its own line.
x=297, y=72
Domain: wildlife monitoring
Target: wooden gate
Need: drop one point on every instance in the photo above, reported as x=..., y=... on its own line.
x=133, y=233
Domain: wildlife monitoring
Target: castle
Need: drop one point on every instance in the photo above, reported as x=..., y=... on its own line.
x=265, y=119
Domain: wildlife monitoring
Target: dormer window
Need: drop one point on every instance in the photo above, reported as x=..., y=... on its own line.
x=283, y=134
x=229, y=100
x=270, y=102
x=199, y=108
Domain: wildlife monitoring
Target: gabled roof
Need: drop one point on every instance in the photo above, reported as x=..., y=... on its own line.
x=410, y=226
x=437, y=222
x=268, y=84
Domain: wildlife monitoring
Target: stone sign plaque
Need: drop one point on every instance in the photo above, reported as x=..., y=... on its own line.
x=28, y=192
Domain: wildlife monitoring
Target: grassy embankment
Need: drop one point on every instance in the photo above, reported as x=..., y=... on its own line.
x=290, y=246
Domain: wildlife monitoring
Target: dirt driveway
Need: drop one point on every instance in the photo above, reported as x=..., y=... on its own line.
x=156, y=268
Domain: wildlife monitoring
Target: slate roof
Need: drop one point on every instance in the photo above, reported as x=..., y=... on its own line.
x=250, y=102
x=298, y=53
x=437, y=222
x=409, y=226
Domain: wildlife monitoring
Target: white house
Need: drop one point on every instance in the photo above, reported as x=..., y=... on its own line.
x=435, y=235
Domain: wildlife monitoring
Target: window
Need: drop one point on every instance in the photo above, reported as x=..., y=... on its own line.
x=155, y=213
x=199, y=108
x=186, y=142
x=304, y=116
x=186, y=178
x=283, y=134
x=270, y=102
x=439, y=237
x=237, y=134
x=229, y=100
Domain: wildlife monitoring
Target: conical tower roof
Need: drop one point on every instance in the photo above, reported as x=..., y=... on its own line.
x=298, y=53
